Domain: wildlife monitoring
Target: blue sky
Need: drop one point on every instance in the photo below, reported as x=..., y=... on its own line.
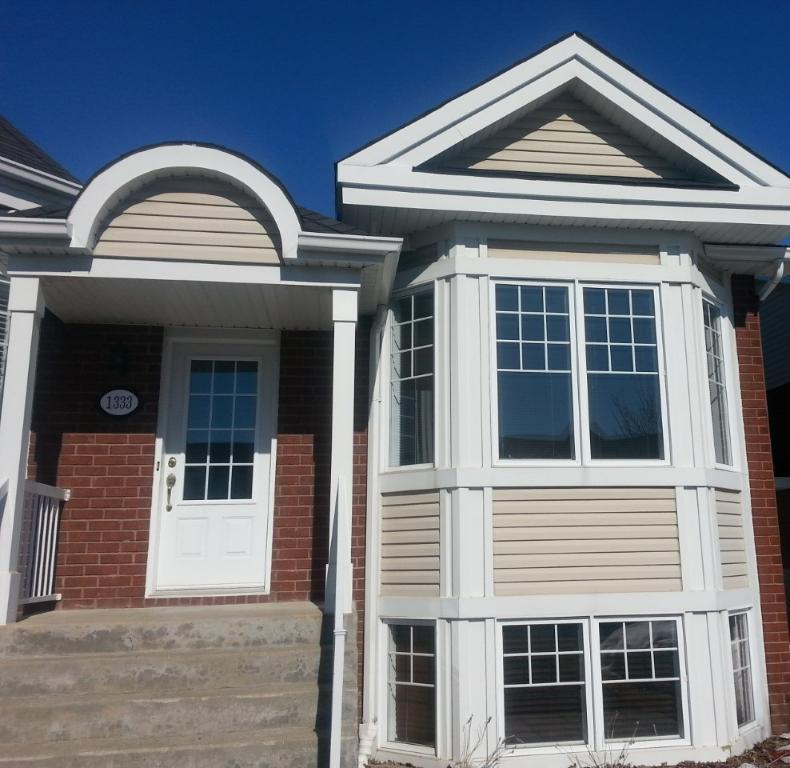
x=298, y=85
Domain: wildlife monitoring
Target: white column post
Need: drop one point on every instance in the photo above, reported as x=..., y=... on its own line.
x=344, y=321
x=25, y=309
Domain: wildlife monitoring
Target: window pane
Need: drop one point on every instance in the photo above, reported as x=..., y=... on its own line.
x=415, y=715
x=241, y=483
x=219, y=450
x=741, y=667
x=544, y=687
x=194, y=483
x=218, y=482
x=625, y=417
x=515, y=639
x=640, y=682
x=246, y=377
x=535, y=417
x=595, y=329
x=594, y=301
x=412, y=707
x=617, y=301
x=516, y=670
x=411, y=392
x=716, y=383
x=550, y=715
x=642, y=710
x=534, y=382
x=200, y=377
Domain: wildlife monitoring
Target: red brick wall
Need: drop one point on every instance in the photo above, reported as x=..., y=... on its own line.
x=763, y=497
x=108, y=462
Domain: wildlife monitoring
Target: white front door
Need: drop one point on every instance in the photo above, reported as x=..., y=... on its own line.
x=215, y=468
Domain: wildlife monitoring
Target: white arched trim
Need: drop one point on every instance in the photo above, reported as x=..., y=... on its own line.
x=112, y=184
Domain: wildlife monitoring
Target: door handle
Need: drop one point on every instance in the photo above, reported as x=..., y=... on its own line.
x=169, y=482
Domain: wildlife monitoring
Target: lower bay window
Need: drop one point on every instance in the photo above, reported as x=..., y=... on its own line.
x=411, y=680
x=555, y=677
x=741, y=668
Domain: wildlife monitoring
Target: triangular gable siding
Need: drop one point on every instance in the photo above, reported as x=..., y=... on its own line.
x=563, y=137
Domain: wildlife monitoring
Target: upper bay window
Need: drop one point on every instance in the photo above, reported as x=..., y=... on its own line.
x=623, y=387
x=619, y=410
x=411, y=380
x=534, y=372
x=717, y=388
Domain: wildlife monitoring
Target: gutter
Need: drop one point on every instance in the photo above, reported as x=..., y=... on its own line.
x=779, y=271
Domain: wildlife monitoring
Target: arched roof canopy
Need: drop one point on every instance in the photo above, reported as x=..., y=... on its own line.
x=114, y=182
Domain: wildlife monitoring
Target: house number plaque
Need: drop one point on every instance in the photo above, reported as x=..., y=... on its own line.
x=119, y=402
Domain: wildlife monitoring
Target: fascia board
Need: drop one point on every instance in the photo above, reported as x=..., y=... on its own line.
x=404, y=180
x=38, y=178
x=462, y=106
x=675, y=112
x=339, y=244
x=572, y=58
x=591, y=210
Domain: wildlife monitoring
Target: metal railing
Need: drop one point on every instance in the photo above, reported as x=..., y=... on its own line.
x=39, y=543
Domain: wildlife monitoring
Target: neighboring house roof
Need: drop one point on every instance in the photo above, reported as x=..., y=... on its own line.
x=775, y=328
x=15, y=146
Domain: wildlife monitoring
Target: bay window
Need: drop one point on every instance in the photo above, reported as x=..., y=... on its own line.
x=622, y=374
x=741, y=668
x=412, y=684
x=412, y=380
x=558, y=690
x=545, y=699
x=534, y=372
x=640, y=679
x=620, y=408
x=717, y=388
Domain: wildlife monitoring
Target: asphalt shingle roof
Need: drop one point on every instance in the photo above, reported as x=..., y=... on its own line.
x=14, y=145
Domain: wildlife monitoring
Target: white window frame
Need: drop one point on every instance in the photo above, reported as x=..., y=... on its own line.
x=384, y=694
x=749, y=725
x=546, y=748
x=728, y=360
x=579, y=388
x=494, y=383
x=386, y=346
x=601, y=742
x=596, y=739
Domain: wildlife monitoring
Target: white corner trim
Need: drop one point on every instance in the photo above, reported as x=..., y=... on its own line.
x=111, y=184
x=344, y=305
x=25, y=295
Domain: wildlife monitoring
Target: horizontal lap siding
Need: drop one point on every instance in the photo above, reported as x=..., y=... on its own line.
x=410, y=544
x=613, y=254
x=564, y=136
x=191, y=219
x=581, y=540
x=732, y=545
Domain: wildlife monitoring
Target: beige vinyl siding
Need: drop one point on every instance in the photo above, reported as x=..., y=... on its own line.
x=615, y=254
x=410, y=544
x=732, y=543
x=564, y=136
x=585, y=540
x=191, y=219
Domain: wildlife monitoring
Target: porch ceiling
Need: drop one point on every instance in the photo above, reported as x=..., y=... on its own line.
x=199, y=304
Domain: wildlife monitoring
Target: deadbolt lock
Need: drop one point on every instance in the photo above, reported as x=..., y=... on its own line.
x=171, y=462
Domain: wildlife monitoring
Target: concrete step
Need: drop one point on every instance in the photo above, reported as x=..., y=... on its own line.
x=144, y=716
x=142, y=629
x=157, y=672
x=274, y=748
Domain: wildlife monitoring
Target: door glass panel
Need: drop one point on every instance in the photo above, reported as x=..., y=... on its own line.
x=220, y=437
